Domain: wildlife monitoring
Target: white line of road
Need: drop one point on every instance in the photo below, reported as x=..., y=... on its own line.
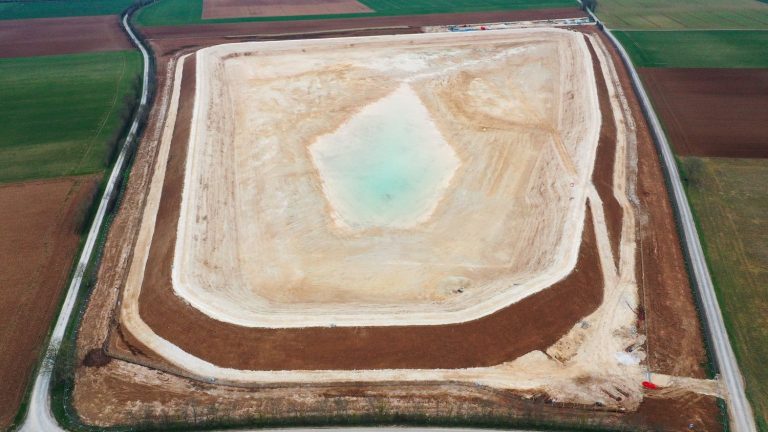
x=739, y=410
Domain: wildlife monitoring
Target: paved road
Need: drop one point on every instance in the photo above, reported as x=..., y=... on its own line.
x=739, y=410
x=39, y=416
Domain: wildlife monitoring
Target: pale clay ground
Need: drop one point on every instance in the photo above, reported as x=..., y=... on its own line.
x=261, y=247
x=586, y=366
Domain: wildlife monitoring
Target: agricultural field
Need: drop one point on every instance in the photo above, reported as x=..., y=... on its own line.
x=697, y=49
x=730, y=201
x=62, y=114
x=14, y=10
x=397, y=225
x=186, y=12
x=683, y=14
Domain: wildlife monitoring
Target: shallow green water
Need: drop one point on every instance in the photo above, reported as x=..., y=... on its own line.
x=387, y=166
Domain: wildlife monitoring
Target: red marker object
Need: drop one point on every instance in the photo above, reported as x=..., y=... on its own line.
x=650, y=385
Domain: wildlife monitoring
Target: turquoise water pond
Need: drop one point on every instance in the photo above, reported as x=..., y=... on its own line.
x=387, y=166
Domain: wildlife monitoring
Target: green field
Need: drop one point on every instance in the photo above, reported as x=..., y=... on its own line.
x=712, y=49
x=60, y=113
x=60, y=8
x=683, y=14
x=730, y=200
x=180, y=12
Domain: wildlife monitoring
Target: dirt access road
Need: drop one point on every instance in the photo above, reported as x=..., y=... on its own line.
x=39, y=416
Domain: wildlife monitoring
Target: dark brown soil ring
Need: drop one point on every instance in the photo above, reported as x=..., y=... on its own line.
x=712, y=112
x=674, y=336
x=50, y=36
x=483, y=342
x=602, y=175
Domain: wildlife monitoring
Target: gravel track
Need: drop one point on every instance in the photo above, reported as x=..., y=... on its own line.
x=39, y=416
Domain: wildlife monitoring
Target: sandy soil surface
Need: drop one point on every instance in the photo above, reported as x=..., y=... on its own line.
x=51, y=36
x=261, y=247
x=40, y=222
x=137, y=392
x=266, y=8
x=712, y=112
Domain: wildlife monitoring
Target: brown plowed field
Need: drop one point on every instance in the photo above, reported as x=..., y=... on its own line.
x=267, y=8
x=484, y=342
x=602, y=176
x=231, y=31
x=108, y=399
x=40, y=222
x=712, y=112
x=50, y=36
